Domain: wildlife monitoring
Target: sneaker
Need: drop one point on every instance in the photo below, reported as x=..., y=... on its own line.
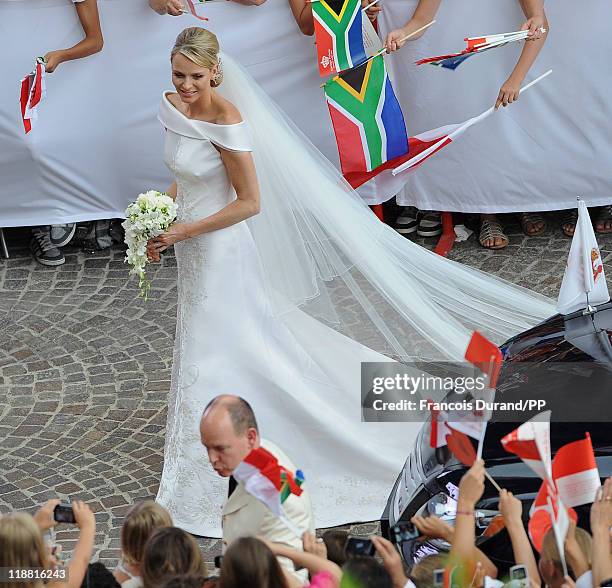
x=407, y=220
x=62, y=234
x=43, y=250
x=430, y=224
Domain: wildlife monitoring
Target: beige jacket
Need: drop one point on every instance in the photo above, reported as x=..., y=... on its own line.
x=244, y=515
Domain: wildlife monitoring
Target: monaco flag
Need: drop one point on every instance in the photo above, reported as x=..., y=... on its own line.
x=575, y=472
x=576, y=480
x=531, y=442
x=265, y=479
x=584, y=281
x=548, y=511
x=31, y=93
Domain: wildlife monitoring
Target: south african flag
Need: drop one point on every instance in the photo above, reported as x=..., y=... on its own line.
x=367, y=119
x=345, y=37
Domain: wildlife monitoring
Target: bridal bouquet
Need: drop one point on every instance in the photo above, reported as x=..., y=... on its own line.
x=149, y=216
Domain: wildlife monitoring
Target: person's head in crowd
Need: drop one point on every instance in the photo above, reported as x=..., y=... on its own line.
x=186, y=581
x=195, y=63
x=250, y=562
x=422, y=573
x=229, y=432
x=550, y=565
x=335, y=540
x=99, y=576
x=364, y=572
x=170, y=552
x=21, y=546
x=141, y=520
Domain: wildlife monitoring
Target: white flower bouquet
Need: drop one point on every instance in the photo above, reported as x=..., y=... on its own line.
x=149, y=216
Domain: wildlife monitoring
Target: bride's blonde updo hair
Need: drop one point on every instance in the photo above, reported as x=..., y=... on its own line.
x=202, y=47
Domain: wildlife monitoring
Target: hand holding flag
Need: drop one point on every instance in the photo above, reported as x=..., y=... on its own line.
x=192, y=9
x=32, y=93
x=265, y=479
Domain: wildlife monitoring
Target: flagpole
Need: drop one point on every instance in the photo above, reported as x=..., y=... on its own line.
x=385, y=50
x=559, y=540
x=533, y=82
x=370, y=5
x=490, y=478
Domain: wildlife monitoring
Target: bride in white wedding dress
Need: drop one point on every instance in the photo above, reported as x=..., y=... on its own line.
x=282, y=308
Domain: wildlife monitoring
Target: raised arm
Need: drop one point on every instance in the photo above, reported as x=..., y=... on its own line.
x=512, y=510
x=92, y=43
x=302, y=12
x=471, y=488
x=77, y=566
x=313, y=563
x=425, y=12
x=171, y=7
x=601, y=527
x=509, y=91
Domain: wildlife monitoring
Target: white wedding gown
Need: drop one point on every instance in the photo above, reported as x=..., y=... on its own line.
x=248, y=295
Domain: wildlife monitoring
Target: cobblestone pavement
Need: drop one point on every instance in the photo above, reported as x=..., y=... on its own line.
x=85, y=370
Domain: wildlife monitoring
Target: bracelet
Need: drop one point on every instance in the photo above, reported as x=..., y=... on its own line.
x=465, y=512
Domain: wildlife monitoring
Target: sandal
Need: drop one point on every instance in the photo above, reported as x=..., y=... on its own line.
x=568, y=222
x=604, y=216
x=491, y=230
x=529, y=220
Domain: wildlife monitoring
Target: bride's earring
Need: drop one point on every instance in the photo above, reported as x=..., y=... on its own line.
x=218, y=77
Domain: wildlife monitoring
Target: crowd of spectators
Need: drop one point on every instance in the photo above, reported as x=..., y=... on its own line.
x=155, y=554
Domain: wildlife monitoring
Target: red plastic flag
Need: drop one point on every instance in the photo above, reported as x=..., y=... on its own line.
x=193, y=11
x=264, y=478
x=575, y=472
x=32, y=92
x=531, y=442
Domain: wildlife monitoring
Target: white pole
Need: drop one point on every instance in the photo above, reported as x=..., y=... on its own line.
x=538, y=79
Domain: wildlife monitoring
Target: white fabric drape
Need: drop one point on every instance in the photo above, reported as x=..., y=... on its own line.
x=538, y=154
x=97, y=144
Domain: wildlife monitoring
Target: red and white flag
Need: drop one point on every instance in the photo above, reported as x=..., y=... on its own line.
x=265, y=479
x=531, y=442
x=584, y=281
x=421, y=147
x=438, y=429
x=575, y=472
x=576, y=480
x=540, y=520
x=32, y=92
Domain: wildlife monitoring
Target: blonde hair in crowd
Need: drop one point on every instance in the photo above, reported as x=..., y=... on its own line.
x=142, y=519
x=422, y=574
x=21, y=546
x=201, y=47
x=551, y=552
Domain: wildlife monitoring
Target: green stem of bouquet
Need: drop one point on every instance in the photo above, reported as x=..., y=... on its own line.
x=145, y=286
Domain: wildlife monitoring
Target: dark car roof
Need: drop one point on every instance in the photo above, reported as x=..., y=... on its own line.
x=566, y=361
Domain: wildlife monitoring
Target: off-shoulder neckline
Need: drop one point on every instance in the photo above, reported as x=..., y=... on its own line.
x=197, y=120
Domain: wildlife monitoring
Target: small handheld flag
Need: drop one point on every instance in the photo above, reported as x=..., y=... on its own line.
x=475, y=45
x=265, y=479
x=344, y=37
x=32, y=93
x=531, y=442
x=367, y=118
x=192, y=9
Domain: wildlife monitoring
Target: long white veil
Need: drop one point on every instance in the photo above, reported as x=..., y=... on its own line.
x=325, y=252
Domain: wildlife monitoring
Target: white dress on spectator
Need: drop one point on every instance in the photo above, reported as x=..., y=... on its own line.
x=280, y=309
